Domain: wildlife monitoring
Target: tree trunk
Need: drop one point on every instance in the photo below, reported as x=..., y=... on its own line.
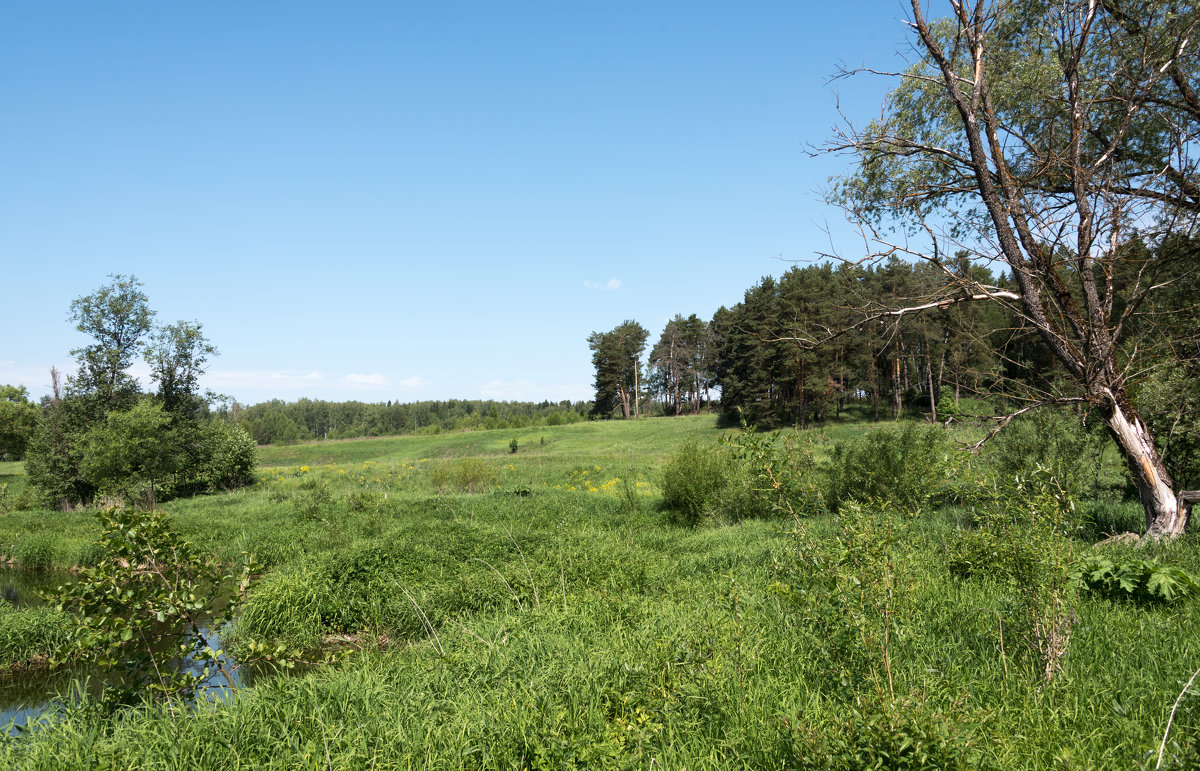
x=897, y=394
x=637, y=392
x=1164, y=515
x=932, y=395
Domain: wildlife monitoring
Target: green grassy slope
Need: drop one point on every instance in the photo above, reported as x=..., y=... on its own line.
x=576, y=627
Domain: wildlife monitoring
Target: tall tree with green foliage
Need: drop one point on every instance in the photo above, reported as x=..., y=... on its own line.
x=118, y=318
x=104, y=437
x=18, y=418
x=177, y=355
x=681, y=364
x=617, y=357
x=1047, y=137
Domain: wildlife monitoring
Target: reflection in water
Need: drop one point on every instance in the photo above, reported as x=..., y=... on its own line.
x=27, y=694
x=24, y=588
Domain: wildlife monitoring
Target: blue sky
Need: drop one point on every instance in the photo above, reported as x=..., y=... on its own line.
x=404, y=201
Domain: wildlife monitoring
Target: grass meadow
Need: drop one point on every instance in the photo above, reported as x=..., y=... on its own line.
x=540, y=609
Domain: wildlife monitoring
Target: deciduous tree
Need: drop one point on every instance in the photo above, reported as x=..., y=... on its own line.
x=1048, y=138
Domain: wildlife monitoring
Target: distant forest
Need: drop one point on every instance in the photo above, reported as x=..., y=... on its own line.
x=278, y=422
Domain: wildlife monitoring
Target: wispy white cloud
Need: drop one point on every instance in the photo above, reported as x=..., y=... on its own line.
x=613, y=283
x=252, y=378
x=412, y=382
x=374, y=380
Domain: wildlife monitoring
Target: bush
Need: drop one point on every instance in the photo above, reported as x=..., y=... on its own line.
x=693, y=480
x=1054, y=440
x=905, y=733
x=315, y=503
x=1024, y=543
x=465, y=475
x=909, y=467
x=364, y=501
x=167, y=593
x=784, y=479
x=229, y=456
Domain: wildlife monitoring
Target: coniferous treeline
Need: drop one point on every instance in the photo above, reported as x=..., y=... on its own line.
x=803, y=347
x=279, y=422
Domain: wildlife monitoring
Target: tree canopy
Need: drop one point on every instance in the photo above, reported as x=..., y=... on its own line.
x=616, y=356
x=104, y=437
x=1057, y=140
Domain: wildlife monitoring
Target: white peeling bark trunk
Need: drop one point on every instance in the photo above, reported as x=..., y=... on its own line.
x=1164, y=516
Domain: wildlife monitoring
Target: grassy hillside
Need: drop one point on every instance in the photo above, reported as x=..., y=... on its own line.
x=574, y=624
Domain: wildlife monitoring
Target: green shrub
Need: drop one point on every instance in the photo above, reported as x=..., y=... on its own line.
x=315, y=503
x=850, y=590
x=1024, y=543
x=905, y=733
x=229, y=456
x=1054, y=440
x=693, y=479
x=166, y=593
x=909, y=467
x=278, y=494
x=465, y=475
x=781, y=477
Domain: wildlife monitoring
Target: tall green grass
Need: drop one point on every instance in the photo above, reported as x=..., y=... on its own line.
x=541, y=620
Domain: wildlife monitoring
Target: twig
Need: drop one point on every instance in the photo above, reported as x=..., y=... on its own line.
x=1171, y=719
x=437, y=643
x=500, y=575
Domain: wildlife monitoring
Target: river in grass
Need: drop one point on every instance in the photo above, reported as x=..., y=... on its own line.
x=28, y=694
